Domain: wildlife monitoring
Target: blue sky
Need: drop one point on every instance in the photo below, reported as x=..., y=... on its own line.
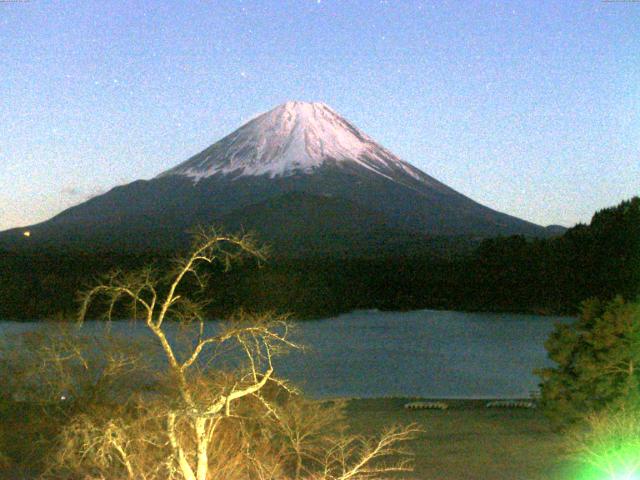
x=530, y=107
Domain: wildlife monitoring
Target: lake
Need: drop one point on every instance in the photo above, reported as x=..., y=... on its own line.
x=426, y=353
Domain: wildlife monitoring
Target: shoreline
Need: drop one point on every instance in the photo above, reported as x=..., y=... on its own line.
x=475, y=406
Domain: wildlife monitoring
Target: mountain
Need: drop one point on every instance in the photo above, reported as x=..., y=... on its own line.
x=300, y=175
x=555, y=230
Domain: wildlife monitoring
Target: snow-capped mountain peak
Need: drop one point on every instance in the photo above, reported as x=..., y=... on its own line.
x=293, y=138
x=301, y=176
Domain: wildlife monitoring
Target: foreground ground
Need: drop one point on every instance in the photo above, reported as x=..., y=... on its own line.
x=469, y=441
x=465, y=442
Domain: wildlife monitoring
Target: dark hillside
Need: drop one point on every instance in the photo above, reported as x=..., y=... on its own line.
x=515, y=273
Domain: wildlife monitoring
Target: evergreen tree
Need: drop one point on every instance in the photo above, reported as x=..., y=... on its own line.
x=597, y=361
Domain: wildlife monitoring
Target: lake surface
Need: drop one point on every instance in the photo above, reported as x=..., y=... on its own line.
x=426, y=353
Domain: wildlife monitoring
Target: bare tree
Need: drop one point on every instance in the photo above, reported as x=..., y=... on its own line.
x=198, y=410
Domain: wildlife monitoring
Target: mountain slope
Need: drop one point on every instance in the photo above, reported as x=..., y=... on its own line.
x=299, y=224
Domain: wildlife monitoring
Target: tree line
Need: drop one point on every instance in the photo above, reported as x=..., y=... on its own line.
x=513, y=274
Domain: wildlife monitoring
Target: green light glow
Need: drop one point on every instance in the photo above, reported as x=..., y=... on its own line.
x=626, y=476
x=609, y=446
x=616, y=463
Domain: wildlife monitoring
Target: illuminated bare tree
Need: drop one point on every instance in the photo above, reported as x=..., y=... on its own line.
x=259, y=340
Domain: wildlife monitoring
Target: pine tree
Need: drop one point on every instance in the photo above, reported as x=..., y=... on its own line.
x=597, y=361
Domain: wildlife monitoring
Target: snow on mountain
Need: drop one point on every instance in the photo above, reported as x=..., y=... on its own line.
x=294, y=138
